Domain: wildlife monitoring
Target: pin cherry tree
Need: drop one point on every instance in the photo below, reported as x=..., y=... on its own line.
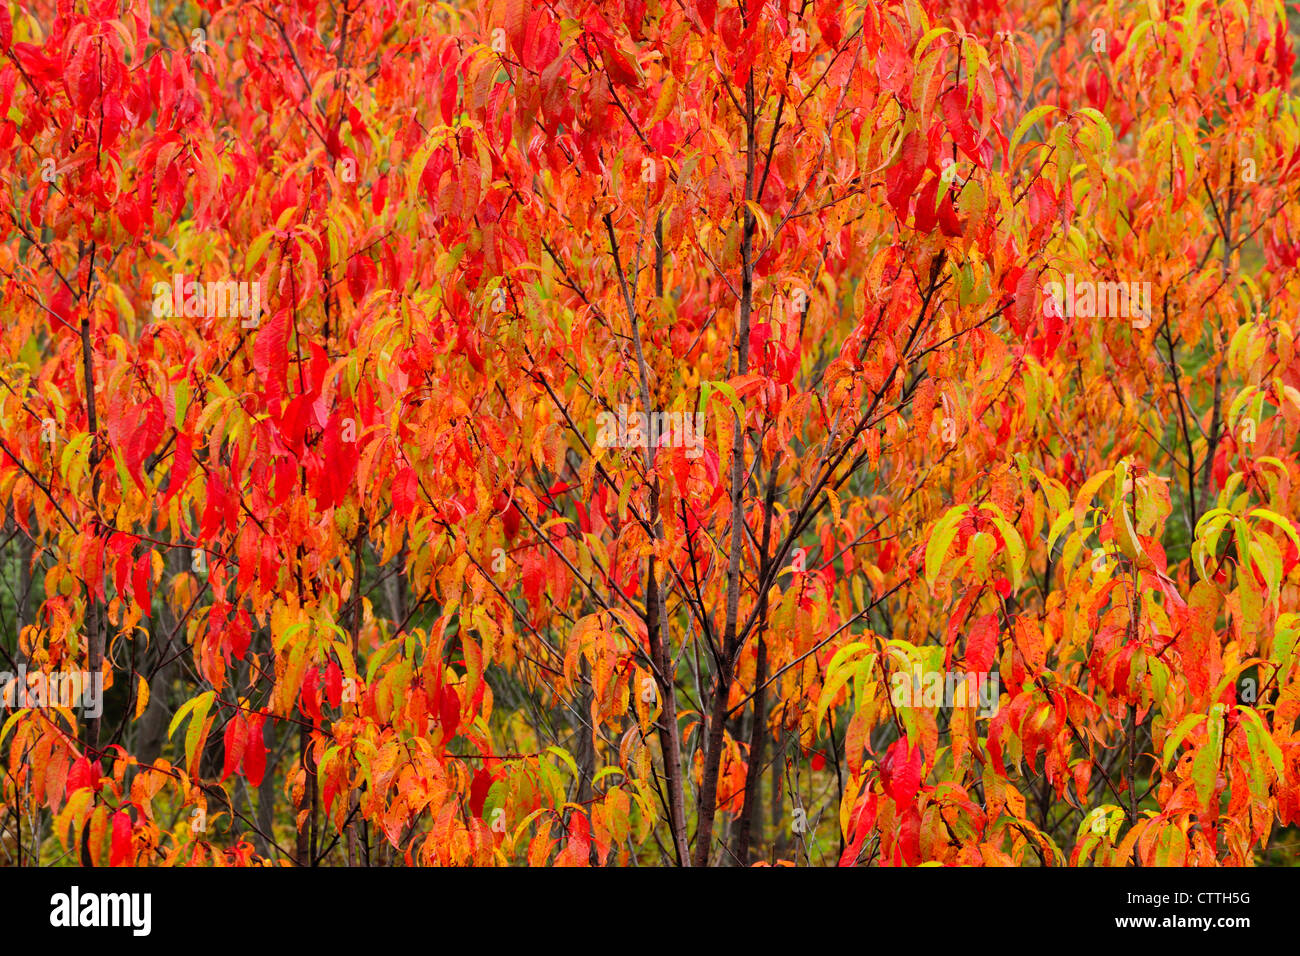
x=316, y=314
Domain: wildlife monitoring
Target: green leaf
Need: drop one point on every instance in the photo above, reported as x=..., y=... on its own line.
x=1205, y=770
x=1258, y=734
x=836, y=678
x=708, y=388
x=1107, y=134
x=179, y=717
x=1180, y=733
x=1063, y=521
x=257, y=248
x=567, y=758
x=844, y=653
x=1015, y=544
x=1278, y=520
x=1030, y=118
x=1171, y=846
x=1268, y=556
x=940, y=538
x=1284, y=640
x=1086, y=493
x=197, y=727
x=926, y=40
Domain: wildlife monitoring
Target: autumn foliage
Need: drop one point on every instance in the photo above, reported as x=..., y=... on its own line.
x=336, y=335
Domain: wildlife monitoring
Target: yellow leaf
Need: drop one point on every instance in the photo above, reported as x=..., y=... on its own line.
x=667, y=99
x=940, y=538
x=141, y=697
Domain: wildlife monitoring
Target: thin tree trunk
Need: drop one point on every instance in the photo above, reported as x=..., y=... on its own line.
x=1216, y=417
x=26, y=547
x=153, y=723
x=350, y=842
x=266, y=792
x=778, y=831
x=306, y=828
x=758, y=729
x=722, y=682
x=656, y=618
x=751, y=815
x=94, y=624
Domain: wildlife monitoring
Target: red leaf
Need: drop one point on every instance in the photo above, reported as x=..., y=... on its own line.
x=954, y=115
x=447, y=102
x=828, y=21
x=271, y=355
x=333, y=683
x=982, y=644
x=309, y=701
x=255, y=751
x=361, y=272
x=84, y=774
x=340, y=463
x=902, y=178
x=926, y=215
x=478, y=791
x=618, y=65
x=861, y=821
x=577, y=851
x=909, y=836
x=900, y=772
x=239, y=633
x=449, y=713
x=236, y=742
x=120, y=854
x=140, y=579
x=144, y=439
x=404, y=491
x=182, y=465
x=119, y=545
x=516, y=18
x=949, y=224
